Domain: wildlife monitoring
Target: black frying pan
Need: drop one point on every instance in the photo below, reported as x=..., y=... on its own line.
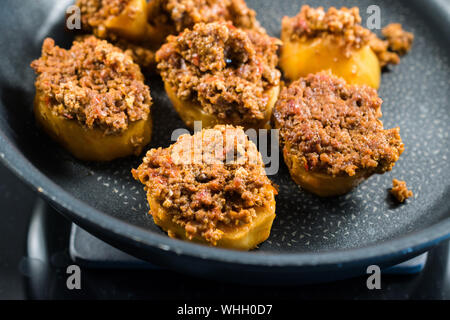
x=312, y=239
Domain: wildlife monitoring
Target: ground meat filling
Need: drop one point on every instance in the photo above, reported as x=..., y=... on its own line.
x=400, y=191
x=182, y=14
x=94, y=83
x=344, y=26
x=207, y=194
x=143, y=56
x=224, y=69
x=94, y=14
x=334, y=128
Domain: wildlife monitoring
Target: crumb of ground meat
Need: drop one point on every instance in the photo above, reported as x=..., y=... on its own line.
x=203, y=193
x=399, y=40
x=182, y=14
x=400, y=191
x=94, y=14
x=93, y=82
x=344, y=25
x=380, y=48
x=224, y=69
x=334, y=127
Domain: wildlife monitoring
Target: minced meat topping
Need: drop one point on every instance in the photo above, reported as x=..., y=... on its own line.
x=141, y=54
x=334, y=128
x=400, y=191
x=93, y=82
x=211, y=179
x=226, y=70
x=344, y=25
x=181, y=14
x=316, y=22
x=94, y=14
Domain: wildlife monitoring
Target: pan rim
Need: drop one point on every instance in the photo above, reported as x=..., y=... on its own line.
x=138, y=237
x=90, y=218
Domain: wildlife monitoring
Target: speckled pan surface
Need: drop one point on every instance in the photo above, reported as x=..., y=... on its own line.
x=416, y=97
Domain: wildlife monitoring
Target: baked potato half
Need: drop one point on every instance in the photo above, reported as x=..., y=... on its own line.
x=91, y=144
x=245, y=237
x=190, y=112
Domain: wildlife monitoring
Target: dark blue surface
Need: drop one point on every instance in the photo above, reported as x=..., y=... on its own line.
x=38, y=272
x=88, y=251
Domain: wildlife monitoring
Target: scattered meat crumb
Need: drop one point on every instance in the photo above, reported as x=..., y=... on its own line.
x=400, y=191
x=399, y=40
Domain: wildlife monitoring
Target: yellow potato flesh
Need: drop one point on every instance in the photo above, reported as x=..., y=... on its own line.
x=132, y=22
x=302, y=57
x=244, y=237
x=323, y=185
x=190, y=112
x=92, y=144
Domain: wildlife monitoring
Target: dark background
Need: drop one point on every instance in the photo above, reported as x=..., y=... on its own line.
x=25, y=278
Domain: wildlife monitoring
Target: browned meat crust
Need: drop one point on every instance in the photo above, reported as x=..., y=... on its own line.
x=399, y=40
x=93, y=82
x=400, y=191
x=334, y=128
x=182, y=14
x=225, y=69
x=167, y=16
x=94, y=13
x=210, y=192
x=344, y=25
x=141, y=55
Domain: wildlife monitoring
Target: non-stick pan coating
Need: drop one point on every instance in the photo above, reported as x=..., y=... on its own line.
x=308, y=230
